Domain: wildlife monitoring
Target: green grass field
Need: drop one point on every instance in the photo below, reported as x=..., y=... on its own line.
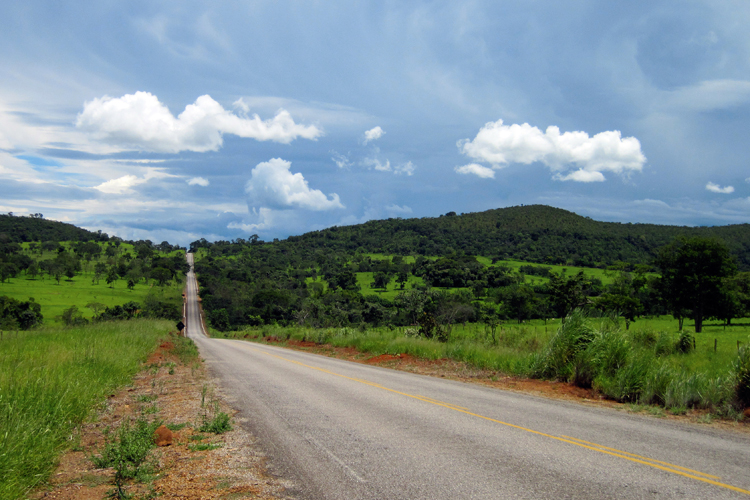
x=50, y=379
x=79, y=291
x=55, y=297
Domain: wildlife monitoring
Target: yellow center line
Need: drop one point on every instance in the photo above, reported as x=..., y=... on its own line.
x=645, y=458
x=657, y=464
x=433, y=400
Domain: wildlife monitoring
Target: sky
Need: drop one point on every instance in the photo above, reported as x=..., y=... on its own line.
x=180, y=120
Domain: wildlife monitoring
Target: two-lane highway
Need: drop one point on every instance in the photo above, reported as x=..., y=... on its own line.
x=342, y=430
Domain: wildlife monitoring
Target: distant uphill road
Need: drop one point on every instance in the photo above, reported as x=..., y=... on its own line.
x=342, y=430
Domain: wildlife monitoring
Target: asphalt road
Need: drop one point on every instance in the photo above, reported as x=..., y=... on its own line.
x=342, y=430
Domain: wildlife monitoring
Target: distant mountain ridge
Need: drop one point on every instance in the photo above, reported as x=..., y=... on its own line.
x=20, y=229
x=536, y=233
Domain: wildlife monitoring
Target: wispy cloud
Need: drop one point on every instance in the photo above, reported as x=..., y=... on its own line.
x=476, y=169
x=124, y=184
x=198, y=181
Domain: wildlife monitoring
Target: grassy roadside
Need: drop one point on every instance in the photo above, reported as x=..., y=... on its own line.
x=644, y=365
x=50, y=379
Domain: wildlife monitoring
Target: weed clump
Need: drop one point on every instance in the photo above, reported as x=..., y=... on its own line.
x=219, y=424
x=126, y=450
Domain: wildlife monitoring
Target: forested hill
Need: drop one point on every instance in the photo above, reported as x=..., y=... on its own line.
x=17, y=229
x=536, y=233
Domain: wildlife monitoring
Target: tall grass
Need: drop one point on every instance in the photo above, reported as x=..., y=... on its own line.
x=645, y=365
x=49, y=381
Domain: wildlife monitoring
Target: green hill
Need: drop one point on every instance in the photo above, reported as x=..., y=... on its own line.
x=19, y=229
x=535, y=233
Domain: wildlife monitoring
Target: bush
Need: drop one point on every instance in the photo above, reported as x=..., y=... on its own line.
x=73, y=317
x=686, y=343
x=15, y=315
x=742, y=377
x=562, y=357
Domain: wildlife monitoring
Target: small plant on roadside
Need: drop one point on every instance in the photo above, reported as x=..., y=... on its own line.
x=176, y=427
x=126, y=450
x=204, y=446
x=219, y=424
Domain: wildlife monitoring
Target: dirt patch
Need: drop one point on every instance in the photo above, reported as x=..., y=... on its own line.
x=181, y=396
x=301, y=343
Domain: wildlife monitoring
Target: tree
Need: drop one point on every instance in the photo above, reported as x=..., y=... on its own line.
x=95, y=307
x=111, y=276
x=7, y=271
x=161, y=275
x=622, y=305
x=381, y=279
x=33, y=269
x=692, y=275
x=568, y=293
x=519, y=301
x=100, y=268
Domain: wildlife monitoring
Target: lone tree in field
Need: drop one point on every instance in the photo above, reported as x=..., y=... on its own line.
x=692, y=274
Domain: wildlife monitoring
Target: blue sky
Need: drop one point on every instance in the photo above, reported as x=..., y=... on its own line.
x=181, y=120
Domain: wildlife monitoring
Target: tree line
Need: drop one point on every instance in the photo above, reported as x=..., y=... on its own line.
x=104, y=261
x=252, y=283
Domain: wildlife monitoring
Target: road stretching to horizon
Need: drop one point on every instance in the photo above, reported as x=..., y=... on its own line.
x=343, y=430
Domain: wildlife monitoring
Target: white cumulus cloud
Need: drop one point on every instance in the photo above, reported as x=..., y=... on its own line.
x=273, y=185
x=123, y=184
x=499, y=144
x=198, y=181
x=139, y=121
x=476, y=169
x=715, y=188
x=374, y=134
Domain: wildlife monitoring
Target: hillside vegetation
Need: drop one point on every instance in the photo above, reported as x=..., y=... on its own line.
x=15, y=229
x=535, y=233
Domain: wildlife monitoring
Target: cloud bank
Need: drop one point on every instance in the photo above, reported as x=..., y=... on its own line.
x=140, y=121
x=273, y=185
x=499, y=144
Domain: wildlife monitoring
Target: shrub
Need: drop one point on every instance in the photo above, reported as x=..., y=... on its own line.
x=685, y=343
x=562, y=356
x=742, y=377
x=73, y=317
x=127, y=451
x=217, y=425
